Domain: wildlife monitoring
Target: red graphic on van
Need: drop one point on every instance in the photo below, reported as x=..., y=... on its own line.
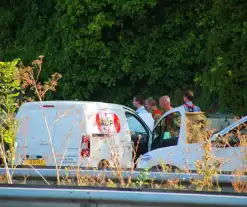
x=108, y=122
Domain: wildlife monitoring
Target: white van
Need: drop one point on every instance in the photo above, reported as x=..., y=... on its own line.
x=73, y=133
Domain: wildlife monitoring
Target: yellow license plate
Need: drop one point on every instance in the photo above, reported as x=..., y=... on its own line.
x=35, y=162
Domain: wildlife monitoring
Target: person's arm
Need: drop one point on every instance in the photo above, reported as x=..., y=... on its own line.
x=175, y=125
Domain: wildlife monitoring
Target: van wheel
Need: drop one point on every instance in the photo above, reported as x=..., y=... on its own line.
x=104, y=164
x=168, y=168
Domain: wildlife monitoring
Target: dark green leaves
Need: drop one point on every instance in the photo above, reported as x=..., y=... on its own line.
x=109, y=50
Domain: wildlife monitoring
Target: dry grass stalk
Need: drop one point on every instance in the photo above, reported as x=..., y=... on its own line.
x=4, y=158
x=28, y=80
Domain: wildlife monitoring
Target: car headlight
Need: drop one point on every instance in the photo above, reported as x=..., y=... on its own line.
x=143, y=161
x=145, y=158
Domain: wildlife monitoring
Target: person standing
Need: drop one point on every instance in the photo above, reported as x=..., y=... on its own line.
x=188, y=104
x=165, y=103
x=138, y=102
x=151, y=106
x=171, y=123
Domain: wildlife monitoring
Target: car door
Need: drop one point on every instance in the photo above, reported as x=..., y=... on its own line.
x=230, y=147
x=35, y=133
x=167, y=132
x=140, y=134
x=106, y=127
x=68, y=127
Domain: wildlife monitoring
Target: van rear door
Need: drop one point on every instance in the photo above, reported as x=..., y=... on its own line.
x=68, y=130
x=35, y=134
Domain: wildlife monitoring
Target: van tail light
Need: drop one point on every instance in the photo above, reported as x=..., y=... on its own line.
x=85, y=146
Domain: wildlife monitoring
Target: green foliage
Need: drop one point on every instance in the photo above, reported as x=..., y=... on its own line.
x=110, y=50
x=9, y=90
x=143, y=179
x=225, y=70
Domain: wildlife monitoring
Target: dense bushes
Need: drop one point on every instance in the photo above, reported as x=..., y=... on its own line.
x=110, y=50
x=9, y=91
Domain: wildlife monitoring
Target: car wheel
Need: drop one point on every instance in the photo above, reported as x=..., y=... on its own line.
x=104, y=164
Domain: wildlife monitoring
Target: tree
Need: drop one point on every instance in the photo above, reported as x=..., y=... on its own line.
x=110, y=50
x=9, y=91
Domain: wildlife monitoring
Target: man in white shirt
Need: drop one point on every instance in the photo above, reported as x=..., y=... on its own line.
x=138, y=102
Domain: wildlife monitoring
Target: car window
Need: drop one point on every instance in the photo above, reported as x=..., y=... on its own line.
x=168, y=127
x=135, y=124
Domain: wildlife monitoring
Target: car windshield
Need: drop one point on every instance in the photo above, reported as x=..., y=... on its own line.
x=232, y=126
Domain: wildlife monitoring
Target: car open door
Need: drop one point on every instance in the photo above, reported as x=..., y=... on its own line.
x=140, y=134
x=170, y=129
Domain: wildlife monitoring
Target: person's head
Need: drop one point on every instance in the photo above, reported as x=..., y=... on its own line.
x=188, y=96
x=138, y=101
x=165, y=103
x=150, y=103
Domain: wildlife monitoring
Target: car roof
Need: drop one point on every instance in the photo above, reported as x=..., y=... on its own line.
x=68, y=103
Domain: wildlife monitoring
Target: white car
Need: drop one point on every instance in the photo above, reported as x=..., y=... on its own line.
x=177, y=153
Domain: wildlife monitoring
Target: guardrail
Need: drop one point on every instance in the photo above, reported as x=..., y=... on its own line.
x=157, y=176
x=20, y=196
